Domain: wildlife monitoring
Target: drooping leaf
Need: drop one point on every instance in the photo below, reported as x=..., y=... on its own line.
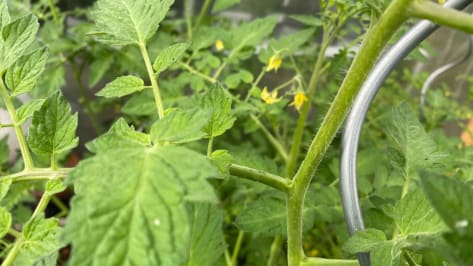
x=124, y=22
x=22, y=76
x=143, y=220
x=99, y=67
x=451, y=198
x=5, y=183
x=41, y=239
x=207, y=239
x=222, y=118
x=141, y=103
x=308, y=20
x=414, y=215
x=120, y=135
x=181, y=126
x=50, y=81
x=169, y=56
x=26, y=110
x=5, y=221
x=122, y=86
x=53, y=129
x=17, y=36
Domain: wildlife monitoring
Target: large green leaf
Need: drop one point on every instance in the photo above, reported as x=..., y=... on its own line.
x=125, y=22
x=142, y=220
x=40, y=240
x=452, y=199
x=120, y=135
x=181, y=126
x=207, y=238
x=22, y=76
x=414, y=215
x=364, y=240
x=169, y=56
x=222, y=118
x=53, y=129
x=122, y=86
x=17, y=36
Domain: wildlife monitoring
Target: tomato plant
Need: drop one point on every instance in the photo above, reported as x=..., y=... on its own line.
x=212, y=140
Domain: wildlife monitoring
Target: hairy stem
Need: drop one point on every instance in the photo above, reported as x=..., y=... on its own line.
x=8, y=101
x=375, y=40
x=442, y=15
x=153, y=80
x=37, y=174
x=269, y=179
x=328, y=262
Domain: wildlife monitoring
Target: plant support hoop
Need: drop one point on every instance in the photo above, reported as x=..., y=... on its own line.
x=363, y=100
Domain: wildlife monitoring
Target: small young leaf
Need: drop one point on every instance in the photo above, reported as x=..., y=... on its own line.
x=5, y=221
x=207, y=238
x=22, y=76
x=120, y=135
x=125, y=22
x=26, y=110
x=122, y=86
x=54, y=186
x=414, y=215
x=4, y=14
x=181, y=126
x=143, y=220
x=53, y=129
x=41, y=238
x=222, y=160
x=169, y=56
x=17, y=36
x=222, y=119
x=5, y=183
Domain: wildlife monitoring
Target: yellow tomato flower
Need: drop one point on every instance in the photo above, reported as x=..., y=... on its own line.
x=219, y=45
x=299, y=100
x=269, y=98
x=274, y=63
x=441, y=2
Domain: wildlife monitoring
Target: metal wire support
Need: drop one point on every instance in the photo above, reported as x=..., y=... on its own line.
x=353, y=125
x=444, y=69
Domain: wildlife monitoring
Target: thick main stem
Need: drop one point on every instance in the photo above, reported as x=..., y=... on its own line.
x=25, y=152
x=375, y=40
x=152, y=78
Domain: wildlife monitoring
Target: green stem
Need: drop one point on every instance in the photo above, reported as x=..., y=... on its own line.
x=331, y=262
x=263, y=177
x=236, y=249
x=53, y=11
x=37, y=174
x=43, y=203
x=228, y=259
x=25, y=152
x=203, y=12
x=373, y=44
x=188, y=15
x=209, y=146
x=196, y=72
x=276, y=144
x=274, y=251
x=442, y=15
x=225, y=62
x=61, y=206
x=153, y=80
x=14, y=233
x=255, y=83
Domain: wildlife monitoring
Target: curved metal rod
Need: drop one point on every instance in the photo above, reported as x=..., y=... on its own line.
x=444, y=69
x=351, y=134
